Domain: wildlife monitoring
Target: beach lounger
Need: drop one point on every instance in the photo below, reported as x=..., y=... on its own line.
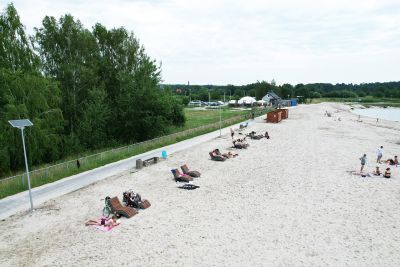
x=179, y=177
x=186, y=170
x=216, y=157
x=118, y=208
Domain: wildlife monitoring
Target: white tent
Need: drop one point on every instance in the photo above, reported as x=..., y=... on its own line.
x=261, y=102
x=247, y=100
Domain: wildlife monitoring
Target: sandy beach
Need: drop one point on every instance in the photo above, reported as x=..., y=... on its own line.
x=286, y=201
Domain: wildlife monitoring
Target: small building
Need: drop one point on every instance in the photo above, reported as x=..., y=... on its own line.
x=272, y=98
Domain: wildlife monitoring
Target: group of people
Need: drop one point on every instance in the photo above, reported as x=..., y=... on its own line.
x=391, y=161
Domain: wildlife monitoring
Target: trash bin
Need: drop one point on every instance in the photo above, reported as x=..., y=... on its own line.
x=139, y=164
x=164, y=154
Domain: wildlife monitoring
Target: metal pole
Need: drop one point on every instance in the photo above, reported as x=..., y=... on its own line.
x=26, y=165
x=220, y=120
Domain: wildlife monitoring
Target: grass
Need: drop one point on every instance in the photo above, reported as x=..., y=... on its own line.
x=198, y=123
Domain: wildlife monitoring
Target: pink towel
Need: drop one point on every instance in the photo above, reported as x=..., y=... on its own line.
x=103, y=228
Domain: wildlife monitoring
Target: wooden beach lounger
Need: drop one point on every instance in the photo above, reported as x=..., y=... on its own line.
x=118, y=208
x=179, y=177
x=186, y=170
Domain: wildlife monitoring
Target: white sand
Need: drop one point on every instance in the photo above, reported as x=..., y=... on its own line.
x=283, y=201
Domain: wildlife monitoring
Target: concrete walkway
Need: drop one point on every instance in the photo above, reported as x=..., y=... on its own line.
x=20, y=202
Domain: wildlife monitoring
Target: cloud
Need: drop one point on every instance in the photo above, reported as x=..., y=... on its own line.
x=243, y=41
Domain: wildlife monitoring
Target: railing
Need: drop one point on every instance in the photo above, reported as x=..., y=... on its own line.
x=18, y=183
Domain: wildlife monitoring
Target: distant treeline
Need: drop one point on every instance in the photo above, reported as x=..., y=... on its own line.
x=306, y=91
x=82, y=89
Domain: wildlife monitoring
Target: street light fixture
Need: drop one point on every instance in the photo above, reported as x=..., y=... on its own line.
x=21, y=124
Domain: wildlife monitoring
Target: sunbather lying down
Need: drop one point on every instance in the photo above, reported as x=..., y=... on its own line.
x=110, y=222
x=225, y=155
x=240, y=144
x=254, y=136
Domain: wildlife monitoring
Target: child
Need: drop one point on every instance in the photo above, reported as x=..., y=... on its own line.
x=387, y=173
x=377, y=172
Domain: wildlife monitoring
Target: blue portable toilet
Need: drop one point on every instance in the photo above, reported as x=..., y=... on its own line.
x=293, y=102
x=164, y=154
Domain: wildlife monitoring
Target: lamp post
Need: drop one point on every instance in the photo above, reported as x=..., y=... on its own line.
x=220, y=120
x=21, y=124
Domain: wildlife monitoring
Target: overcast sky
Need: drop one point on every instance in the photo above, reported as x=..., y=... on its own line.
x=240, y=42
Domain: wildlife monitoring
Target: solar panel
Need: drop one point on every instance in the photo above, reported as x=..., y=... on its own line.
x=20, y=123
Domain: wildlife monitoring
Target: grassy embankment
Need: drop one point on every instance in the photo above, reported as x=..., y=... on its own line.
x=198, y=122
x=366, y=101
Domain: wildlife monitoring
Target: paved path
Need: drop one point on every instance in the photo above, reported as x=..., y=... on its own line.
x=20, y=202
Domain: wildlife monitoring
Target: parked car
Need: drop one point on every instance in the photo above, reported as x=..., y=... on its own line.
x=195, y=103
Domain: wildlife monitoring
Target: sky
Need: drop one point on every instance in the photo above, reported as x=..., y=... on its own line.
x=240, y=42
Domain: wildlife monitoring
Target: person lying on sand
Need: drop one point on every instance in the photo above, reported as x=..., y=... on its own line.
x=394, y=161
x=387, y=173
x=110, y=222
x=230, y=155
x=377, y=172
x=225, y=155
x=217, y=154
x=240, y=145
x=253, y=135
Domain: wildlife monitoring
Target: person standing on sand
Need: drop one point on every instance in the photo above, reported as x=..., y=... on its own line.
x=379, y=153
x=363, y=160
x=232, y=133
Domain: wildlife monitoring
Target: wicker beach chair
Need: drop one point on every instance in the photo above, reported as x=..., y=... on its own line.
x=186, y=170
x=179, y=177
x=118, y=208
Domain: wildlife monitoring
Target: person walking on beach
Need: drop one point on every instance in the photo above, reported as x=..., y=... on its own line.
x=379, y=153
x=363, y=160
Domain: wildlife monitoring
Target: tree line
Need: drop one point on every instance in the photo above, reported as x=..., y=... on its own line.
x=305, y=91
x=82, y=89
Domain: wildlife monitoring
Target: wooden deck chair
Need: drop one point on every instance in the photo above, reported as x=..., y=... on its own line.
x=186, y=170
x=118, y=208
x=179, y=177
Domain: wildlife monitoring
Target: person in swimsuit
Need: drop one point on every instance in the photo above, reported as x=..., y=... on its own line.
x=387, y=173
x=110, y=222
x=363, y=160
x=394, y=161
x=377, y=172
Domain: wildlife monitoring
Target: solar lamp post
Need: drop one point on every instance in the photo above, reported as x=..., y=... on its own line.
x=21, y=124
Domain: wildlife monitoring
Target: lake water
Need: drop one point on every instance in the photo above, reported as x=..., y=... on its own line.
x=390, y=114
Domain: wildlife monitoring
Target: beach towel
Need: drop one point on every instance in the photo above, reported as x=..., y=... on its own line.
x=188, y=186
x=103, y=228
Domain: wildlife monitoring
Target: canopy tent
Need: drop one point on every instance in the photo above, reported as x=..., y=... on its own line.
x=247, y=100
